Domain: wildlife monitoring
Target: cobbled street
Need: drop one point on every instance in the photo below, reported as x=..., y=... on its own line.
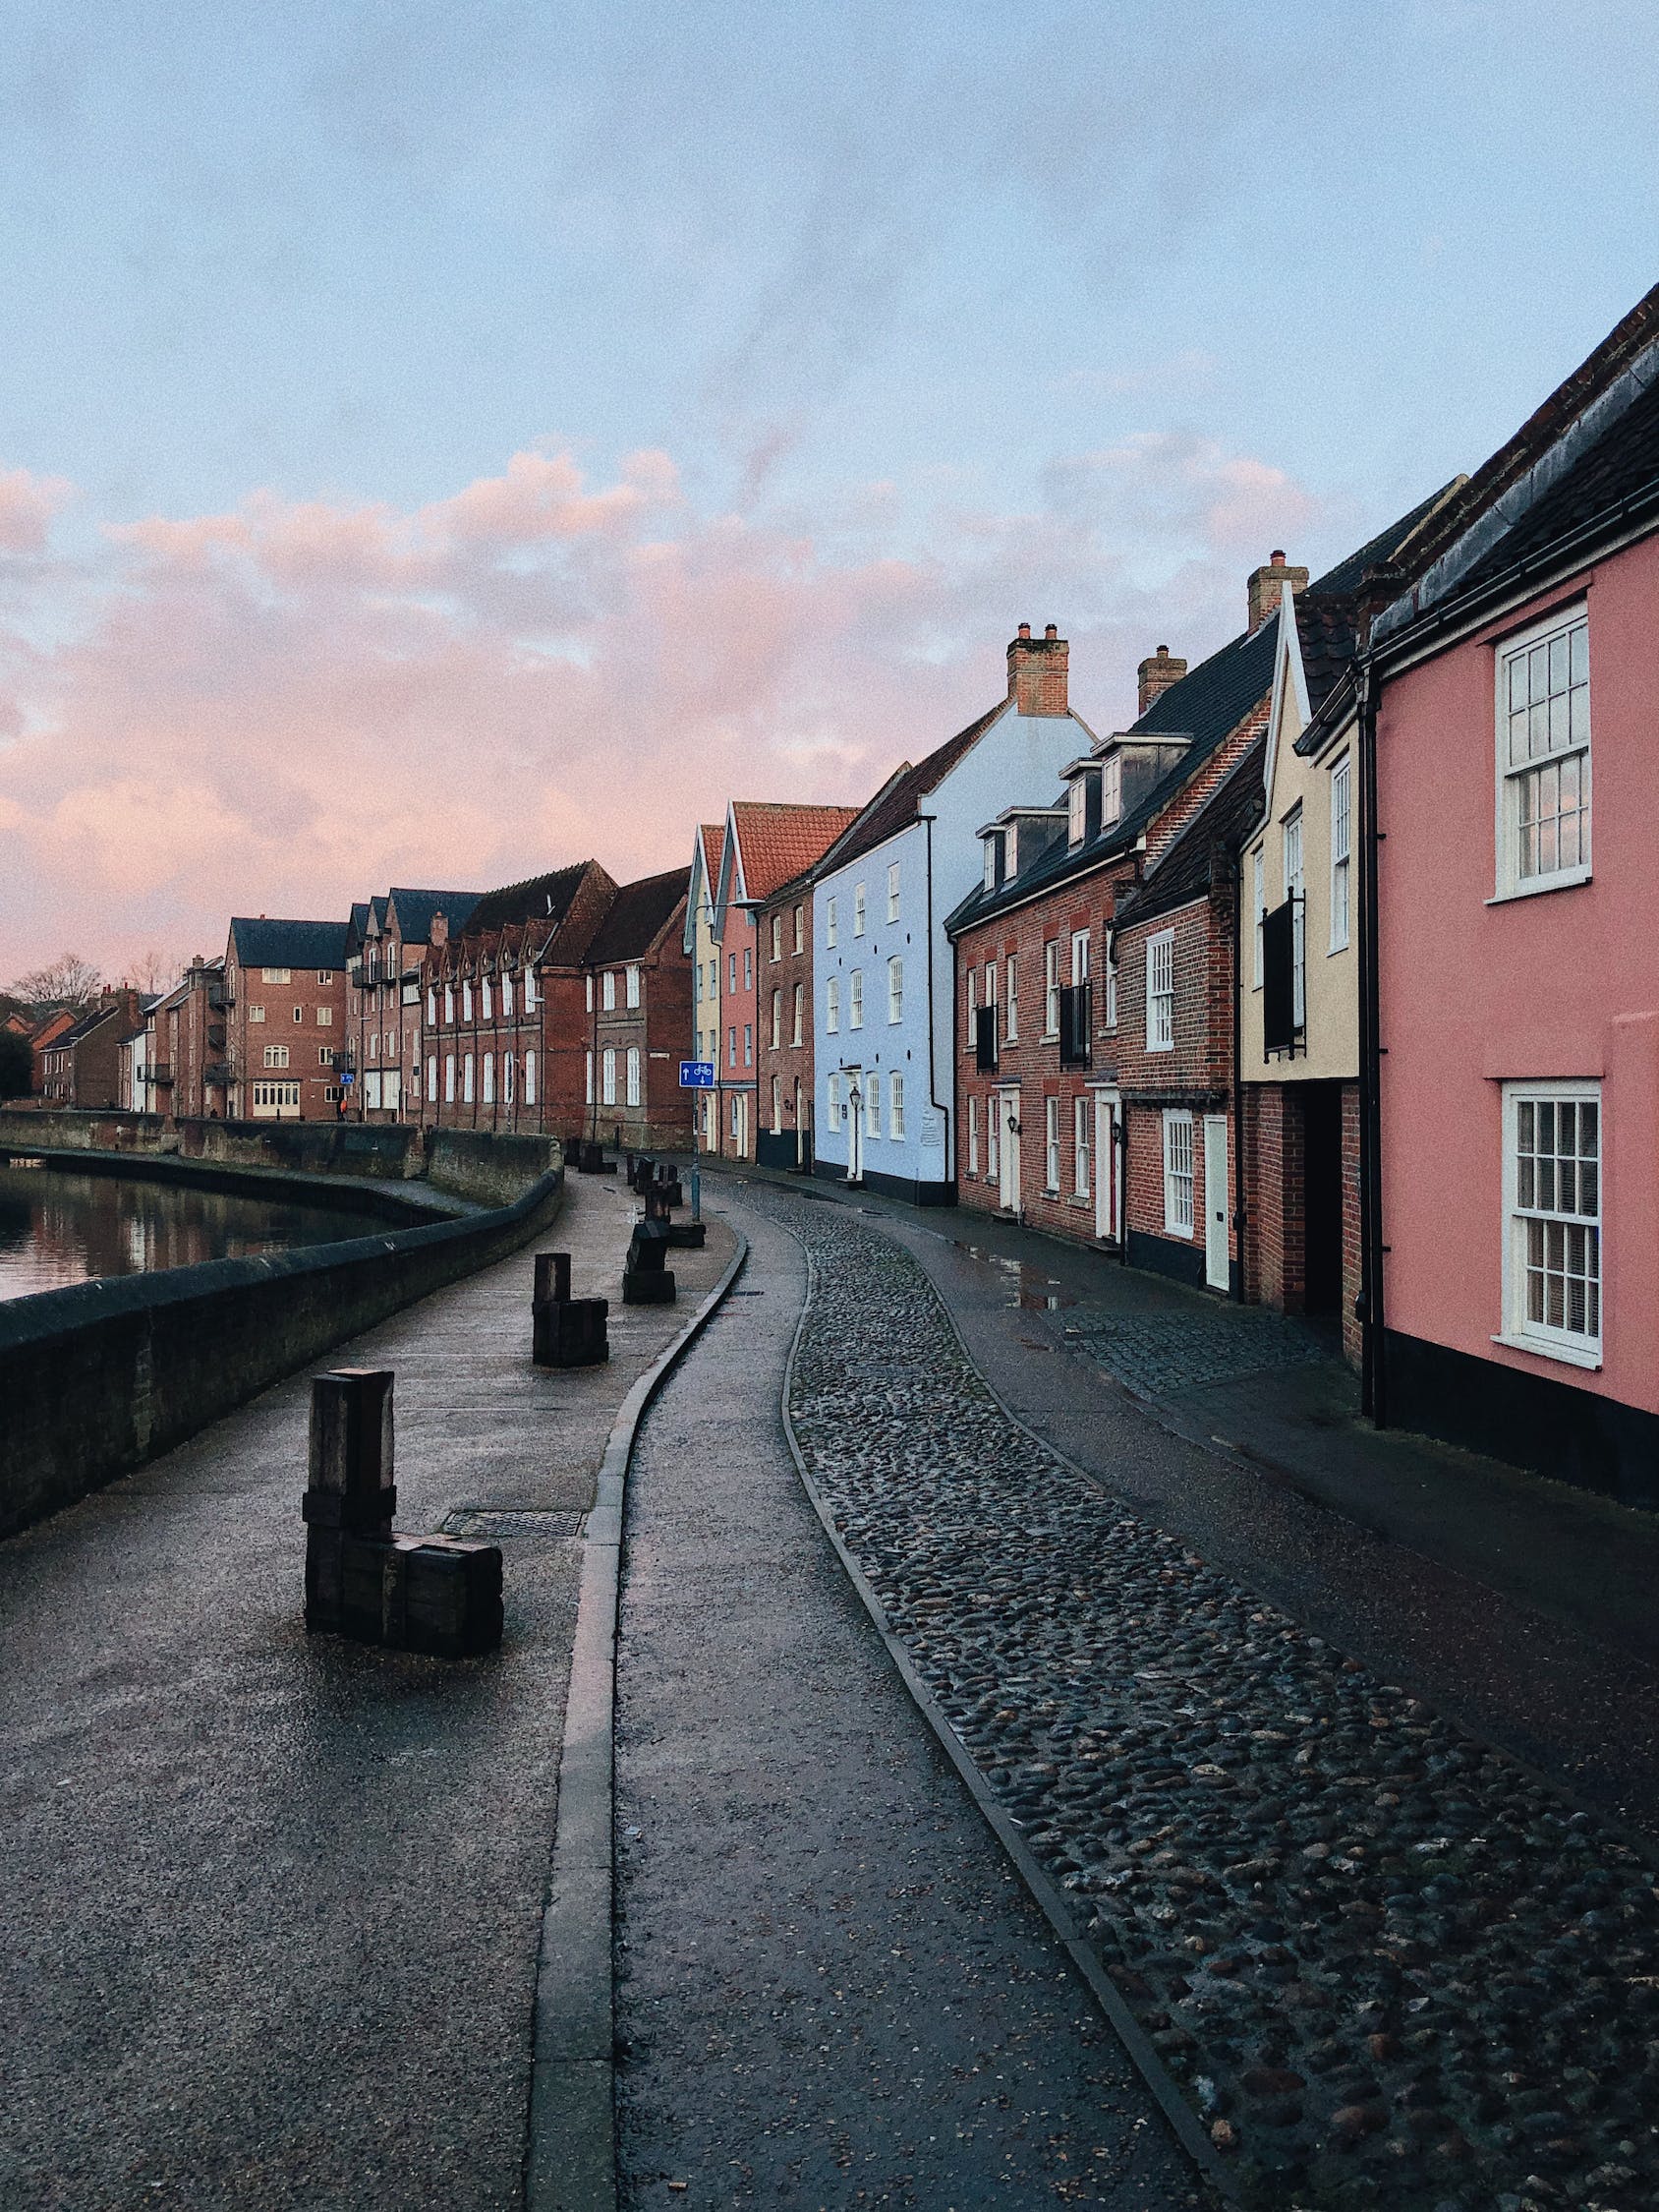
x=1388, y=1967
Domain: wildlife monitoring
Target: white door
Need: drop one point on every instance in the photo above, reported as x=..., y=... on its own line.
x=743, y=1125
x=1216, y=1272
x=1107, y=1166
x=1008, y=1106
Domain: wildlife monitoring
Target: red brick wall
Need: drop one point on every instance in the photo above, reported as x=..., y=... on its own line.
x=1274, y=1201
x=1351, y=1332
x=789, y=1064
x=306, y=1038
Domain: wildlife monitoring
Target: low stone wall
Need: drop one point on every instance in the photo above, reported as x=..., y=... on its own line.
x=386, y=1149
x=98, y=1378
x=492, y=1169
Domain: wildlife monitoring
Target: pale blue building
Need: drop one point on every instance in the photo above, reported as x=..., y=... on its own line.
x=884, y=988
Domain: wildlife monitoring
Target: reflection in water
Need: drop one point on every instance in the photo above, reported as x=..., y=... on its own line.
x=61, y=1228
x=1027, y=1286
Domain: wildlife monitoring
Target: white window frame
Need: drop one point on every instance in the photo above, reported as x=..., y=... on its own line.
x=1294, y=877
x=488, y=1006
x=748, y=1044
x=1160, y=992
x=892, y=890
x=972, y=989
x=832, y=1006
x=255, y=1013
x=632, y=1097
x=530, y=1079
x=993, y=1141
x=776, y=937
x=896, y=988
x=873, y=1103
x=508, y=1085
x=432, y=1008
x=633, y=983
x=798, y=1016
x=1079, y=957
x=276, y=1056
x=831, y=924
x=1082, y=1126
x=990, y=845
x=1109, y=1009
x=467, y=1079
x=1076, y=811
x=449, y=1004
x=466, y=1002
x=432, y=1078
x=1050, y=1146
x=832, y=1104
x=1568, y=627
x=588, y=983
x=507, y=994
x=858, y=908
x=587, y=1056
x=973, y=1134
x=800, y=928
x=1010, y=1002
x=449, y=1078
x=1051, y=988
x=528, y=989
x=607, y=1075
x=1178, y=1163
x=607, y=990
x=488, y=1078
x=855, y=998
x=1580, y=1348
x=749, y=964
x=1111, y=791
x=895, y=1108
x=276, y=974
x=1341, y=853
x=776, y=1107
x=776, y=1014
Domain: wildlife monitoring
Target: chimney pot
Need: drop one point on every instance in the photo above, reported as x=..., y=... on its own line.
x=1277, y=556
x=1050, y=631
x=1025, y=629
x=1267, y=587
x=1037, y=673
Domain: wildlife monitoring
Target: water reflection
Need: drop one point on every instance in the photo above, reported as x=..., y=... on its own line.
x=60, y=1228
x=1028, y=1287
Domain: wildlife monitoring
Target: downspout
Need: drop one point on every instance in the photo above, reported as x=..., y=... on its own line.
x=934, y=1098
x=1373, y=1361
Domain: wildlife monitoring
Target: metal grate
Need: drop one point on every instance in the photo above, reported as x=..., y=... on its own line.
x=477, y=1521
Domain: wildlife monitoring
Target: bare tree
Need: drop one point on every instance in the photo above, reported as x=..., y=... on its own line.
x=69, y=980
x=154, y=971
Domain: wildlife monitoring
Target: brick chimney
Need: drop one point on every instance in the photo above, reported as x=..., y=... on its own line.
x=1156, y=675
x=1267, y=588
x=1037, y=672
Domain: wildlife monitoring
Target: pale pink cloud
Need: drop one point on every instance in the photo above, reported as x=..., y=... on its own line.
x=28, y=505
x=286, y=707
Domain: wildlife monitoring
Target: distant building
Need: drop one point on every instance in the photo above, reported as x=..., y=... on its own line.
x=638, y=1003
x=284, y=989
x=189, y=1065
x=385, y=964
x=81, y=1066
x=45, y=1034
x=701, y=949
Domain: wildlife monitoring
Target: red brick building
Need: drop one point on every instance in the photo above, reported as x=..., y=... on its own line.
x=284, y=995
x=385, y=961
x=81, y=1066
x=1053, y=1105
x=188, y=1075
x=777, y=847
x=637, y=1006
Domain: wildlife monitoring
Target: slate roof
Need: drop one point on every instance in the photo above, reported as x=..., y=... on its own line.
x=1621, y=465
x=416, y=908
x=1219, y=828
x=637, y=916
x=536, y=899
x=899, y=800
x=1352, y=572
x=781, y=840
x=260, y=943
x=89, y=1022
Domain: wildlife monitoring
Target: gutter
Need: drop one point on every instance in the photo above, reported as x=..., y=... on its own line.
x=1372, y=1312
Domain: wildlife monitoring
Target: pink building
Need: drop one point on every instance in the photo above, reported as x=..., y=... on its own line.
x=1514, y=1186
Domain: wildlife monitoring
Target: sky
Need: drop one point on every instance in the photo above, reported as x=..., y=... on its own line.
x=438, y=443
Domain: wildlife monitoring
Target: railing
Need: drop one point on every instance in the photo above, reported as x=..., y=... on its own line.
x=1076, y=1020
x=221, y=997
x=218, y=1071
x=985, y=1039
x=161, y=1074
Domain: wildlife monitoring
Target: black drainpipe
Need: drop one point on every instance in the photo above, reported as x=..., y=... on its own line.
x=1373, y=1363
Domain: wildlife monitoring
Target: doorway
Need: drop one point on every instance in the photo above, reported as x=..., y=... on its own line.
x=1109, y=1168
x=1322, y=1196
x=1007, y=1174
x=1217, y=1269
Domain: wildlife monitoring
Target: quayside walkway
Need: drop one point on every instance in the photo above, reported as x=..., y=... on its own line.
x=273, y=1903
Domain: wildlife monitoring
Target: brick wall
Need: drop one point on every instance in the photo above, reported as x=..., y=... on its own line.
x=1276, y=1203
x=1351, y=1255
x=785, y=1062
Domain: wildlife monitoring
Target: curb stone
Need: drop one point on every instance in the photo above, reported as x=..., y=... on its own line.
x=1183, y=2122
x=570, y=2158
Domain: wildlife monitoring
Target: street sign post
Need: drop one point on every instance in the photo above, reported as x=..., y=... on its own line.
x=695, y=1075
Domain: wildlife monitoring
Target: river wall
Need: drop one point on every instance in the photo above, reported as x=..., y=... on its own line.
x=99, y=1377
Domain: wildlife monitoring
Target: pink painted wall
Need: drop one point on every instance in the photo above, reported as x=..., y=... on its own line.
x=1563, y=984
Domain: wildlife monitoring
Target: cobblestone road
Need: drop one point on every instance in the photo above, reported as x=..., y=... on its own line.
x=1390, y=1968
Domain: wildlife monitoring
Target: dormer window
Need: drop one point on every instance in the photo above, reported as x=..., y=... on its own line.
x=992, y=854
x=1110, y=791
x=1076, y=811
x=1010, y=851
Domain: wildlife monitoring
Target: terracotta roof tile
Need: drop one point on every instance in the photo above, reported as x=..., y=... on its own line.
x=779, y=841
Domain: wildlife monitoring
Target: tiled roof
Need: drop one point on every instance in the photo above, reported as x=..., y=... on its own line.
x=1350, y=573
x=900, y=799
x=1221, y=825
x=1621, y=465
x=260, y=943
x=416, y=908
x=713, y=834
x=536, y=899
x=92, y=1019
x=638, y=914
x=780, y=841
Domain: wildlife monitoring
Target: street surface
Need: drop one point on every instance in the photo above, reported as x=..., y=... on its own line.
x=832, y=1990
x=273, y=1903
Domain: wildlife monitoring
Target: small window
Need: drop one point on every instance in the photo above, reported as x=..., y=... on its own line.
x=833, y=1004
x=1051, y=988
x=608, y=1076
x=276, y=1056
x=858, y=910
x=1109, y=1013
x=326, y=975
x=255, y=1013
x=892, y=890
x=830, y=923
x=896, y=989
x=800, y=929
x=607, y=990
x=325, y=1056
x=1076, y=810
x=777, y=1017
x=872, y=1104
x=1160, y=992
x=1177, y=1172
x=855, y=998
x=833, y=1103
x=1081, y=1118
x=1544, y=757
x=1552, y=1262
x=778, y=937
x=973, y=1136
x=299, y=1014
x=1341, y=840
x=796, y=1026
x=1010, y=1010
x=1051, y=1144
x=633, y=1076
x=895, y=1106
x=633, y=993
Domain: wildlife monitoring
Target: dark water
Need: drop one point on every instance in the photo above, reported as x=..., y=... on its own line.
x=59, y=1227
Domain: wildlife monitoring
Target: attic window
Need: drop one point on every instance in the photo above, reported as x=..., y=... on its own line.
x=991, y=858
x=1111, y=791
x=1076, y=810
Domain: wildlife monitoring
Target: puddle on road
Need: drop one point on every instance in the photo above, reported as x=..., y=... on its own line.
x=1027, y=1287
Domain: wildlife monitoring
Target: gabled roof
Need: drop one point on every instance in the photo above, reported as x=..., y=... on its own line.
x=262, y=943
x=637, y=915
x=416, y=908
x=899, y=800
x=779, y=841
x=704, y=876
x=93, y=1019
x=1216, y=832
x=536, y=899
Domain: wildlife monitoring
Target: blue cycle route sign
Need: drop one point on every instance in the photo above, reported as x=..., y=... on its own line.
x=697, y=1075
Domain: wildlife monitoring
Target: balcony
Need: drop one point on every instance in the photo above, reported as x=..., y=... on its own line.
x=219, y=1072
x=216, y=1036
x=159, y=1076
x=985, y=1040
x=1077, y=1020
x=221, y=997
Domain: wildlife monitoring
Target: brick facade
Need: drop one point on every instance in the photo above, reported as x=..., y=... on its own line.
x=285, y=1020
x=783, y=1065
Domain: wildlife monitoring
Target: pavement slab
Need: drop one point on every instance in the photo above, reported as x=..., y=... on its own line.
x=1391, y=1968
x=831, y=1989
x=272, y=1901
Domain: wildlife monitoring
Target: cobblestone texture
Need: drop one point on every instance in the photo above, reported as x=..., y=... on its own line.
x=1163, y=1354
x=1389, y=1968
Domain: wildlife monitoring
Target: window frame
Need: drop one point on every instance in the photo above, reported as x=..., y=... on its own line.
x=1178, y=1120
x=1342, y=856
x=896, y=988
x=1258, y=904
x=1010, y=1000
x=1050, y=1146
x=1082, y=1127
x=860, y=906
x=831, y=1006
x=1508, y=881
x=1160, y=993
x=1573, y=1348
x=892, y=890
x=1076, y=812
x=1051, y=988
x=895, y=1107
x=855, y=998
x=832, y=922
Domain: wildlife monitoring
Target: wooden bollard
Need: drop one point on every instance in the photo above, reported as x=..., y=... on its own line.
x=437, y=1594
x=646, y=1281
x=565, y=1331
x=552, y=1277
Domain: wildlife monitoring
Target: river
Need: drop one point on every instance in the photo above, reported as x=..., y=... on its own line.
x=58, y=1227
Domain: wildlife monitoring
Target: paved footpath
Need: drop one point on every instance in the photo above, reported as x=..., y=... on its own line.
x=832, y=1990
x=1393, y=1970
x=273, y=1903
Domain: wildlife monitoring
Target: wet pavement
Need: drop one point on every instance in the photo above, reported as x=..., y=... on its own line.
x=832, y=1992
x=273, y=1903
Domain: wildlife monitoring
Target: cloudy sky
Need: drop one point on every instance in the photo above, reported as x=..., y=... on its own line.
x=438, y=442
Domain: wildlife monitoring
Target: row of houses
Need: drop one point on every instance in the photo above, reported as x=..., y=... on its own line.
x=1305, y=987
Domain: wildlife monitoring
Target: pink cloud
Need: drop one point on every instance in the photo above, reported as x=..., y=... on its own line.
x=286, y=707
x=28, y=505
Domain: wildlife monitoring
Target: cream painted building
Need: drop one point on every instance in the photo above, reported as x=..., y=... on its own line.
x=703, y=949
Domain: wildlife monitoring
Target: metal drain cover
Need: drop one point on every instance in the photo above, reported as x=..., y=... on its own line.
x=474, y=1521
